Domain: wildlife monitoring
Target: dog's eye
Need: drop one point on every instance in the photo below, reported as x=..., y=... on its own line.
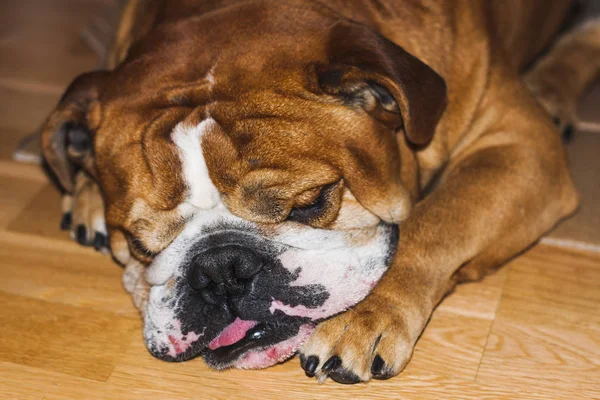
x=314, y=209
x=138, y=249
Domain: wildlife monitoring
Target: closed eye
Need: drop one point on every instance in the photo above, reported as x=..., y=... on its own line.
x=138, y=249
x=307, y=213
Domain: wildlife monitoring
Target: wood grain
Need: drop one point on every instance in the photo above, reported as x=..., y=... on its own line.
x=531, y=331
x=41, y=42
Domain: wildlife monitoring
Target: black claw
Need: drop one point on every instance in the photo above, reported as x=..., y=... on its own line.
x=331, y=364
x=303, y=361
x=378, y=369
x=342, y=375
x=81, y=235
x=377, y=366
x=567, y=133
x=99, y=241
x=333, y=368
x=66, y=221
x=310, y=368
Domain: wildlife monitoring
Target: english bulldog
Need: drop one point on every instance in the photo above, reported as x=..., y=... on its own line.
x=310, y=176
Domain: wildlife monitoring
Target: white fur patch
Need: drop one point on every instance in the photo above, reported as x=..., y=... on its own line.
x=347, y=270
x=202, y=192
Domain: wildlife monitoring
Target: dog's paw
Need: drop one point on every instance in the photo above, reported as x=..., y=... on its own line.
x=83, y=214
x=361, y=344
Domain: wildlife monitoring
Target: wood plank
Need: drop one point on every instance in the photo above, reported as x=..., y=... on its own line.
x=62, y=272
x=450, y=348
x=550, y=284
x=52, y=28
x=21, y=192
x=546, y=335
x=25, y=172
x=477, y=299
x=24, y=111
x=555, y=361
x=63, y=338
x=40, y=216
x=21, y=113
x=17, y=382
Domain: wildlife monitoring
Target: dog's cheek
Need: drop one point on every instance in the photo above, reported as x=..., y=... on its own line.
x=347, y=274
x=135, y=284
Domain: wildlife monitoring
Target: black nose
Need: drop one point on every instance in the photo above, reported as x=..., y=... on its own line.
x=223, y=272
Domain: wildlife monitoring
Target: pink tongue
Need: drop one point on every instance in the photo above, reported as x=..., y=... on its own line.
x=232, y=333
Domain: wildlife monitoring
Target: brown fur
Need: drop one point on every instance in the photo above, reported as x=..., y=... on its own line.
x=496, y=160
x=559, y=79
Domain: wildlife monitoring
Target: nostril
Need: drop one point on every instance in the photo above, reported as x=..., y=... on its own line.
x=198, y=280
x=202, y=281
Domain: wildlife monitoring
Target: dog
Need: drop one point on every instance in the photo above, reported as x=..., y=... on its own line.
x=313, y=177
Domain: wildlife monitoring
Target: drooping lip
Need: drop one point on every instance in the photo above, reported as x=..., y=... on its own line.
x=257, y=359
x=263, y=344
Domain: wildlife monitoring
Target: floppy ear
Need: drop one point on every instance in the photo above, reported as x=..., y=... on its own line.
x=67, y=137
x=396, y=88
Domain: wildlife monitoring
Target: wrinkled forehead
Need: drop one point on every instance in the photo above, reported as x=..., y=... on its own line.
x=254, y=150
x=255, y=168
x=249, y=158
x=249, y=118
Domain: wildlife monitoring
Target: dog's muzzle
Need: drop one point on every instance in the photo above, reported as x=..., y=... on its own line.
x=226, y=293
x=218, y=304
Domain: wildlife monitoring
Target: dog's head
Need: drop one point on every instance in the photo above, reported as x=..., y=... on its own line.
x=257, y=166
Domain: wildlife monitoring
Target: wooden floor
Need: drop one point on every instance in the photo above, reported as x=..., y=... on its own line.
x=69, y=331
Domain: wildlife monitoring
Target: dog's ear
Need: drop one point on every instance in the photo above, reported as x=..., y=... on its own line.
x=368, y=70
x=68, y=134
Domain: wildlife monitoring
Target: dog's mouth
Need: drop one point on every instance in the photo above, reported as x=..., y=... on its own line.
x=245, y=344
x=252, y=344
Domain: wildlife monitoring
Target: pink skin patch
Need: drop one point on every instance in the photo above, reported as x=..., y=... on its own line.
x=179, y=343
x=276, y=353
x=303, y=311
x=232, y=333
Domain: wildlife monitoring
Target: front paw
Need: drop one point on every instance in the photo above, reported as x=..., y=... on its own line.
x=369, y=341
x=83, y=214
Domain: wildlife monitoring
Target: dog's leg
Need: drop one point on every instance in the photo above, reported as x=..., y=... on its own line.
x=496, y=198
x=83, y=213
x=560, y=77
